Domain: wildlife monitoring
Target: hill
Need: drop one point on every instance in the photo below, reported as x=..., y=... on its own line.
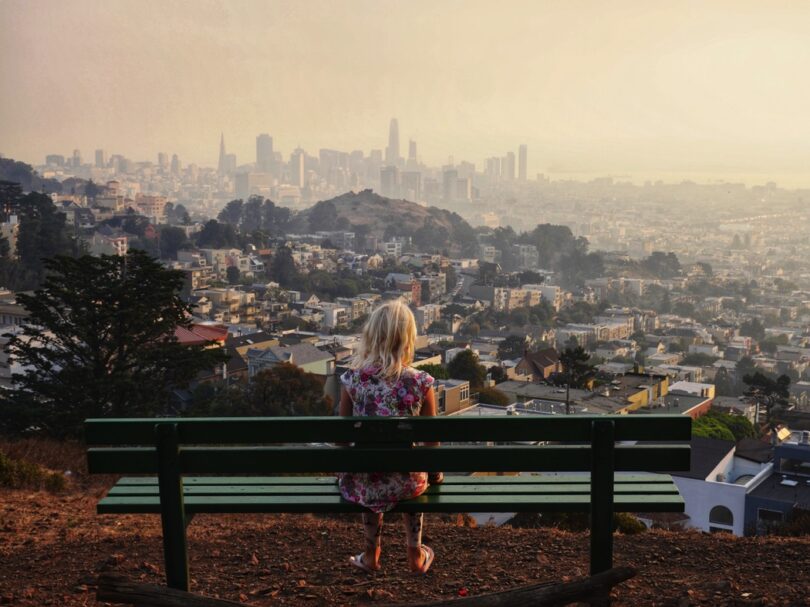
x=54, y=546
x=370, y=214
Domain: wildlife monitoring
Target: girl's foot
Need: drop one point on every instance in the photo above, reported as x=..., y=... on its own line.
x=423, y=561
x=362, y=562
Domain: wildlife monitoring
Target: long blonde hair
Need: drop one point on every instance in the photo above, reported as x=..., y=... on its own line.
x=388, y=339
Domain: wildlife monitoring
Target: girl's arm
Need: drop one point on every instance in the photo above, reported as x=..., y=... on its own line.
x=345, y=408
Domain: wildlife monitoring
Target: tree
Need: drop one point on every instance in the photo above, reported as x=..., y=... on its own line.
x=232, y=274
x=722, y=383
x=753, y=328
x=283, y=389
x=435, y=371
x=492, y=396
x=662, y=265
x=217, y=235
x=439, y=326
x=232, y=213
x=772, y=393
x=282, y=268
x=42, y=234
x=171, y=240
x=512, y=347
x=465, y=366
x=323, y=216
x=576, y=370
x=100, y=341
x=709, y=427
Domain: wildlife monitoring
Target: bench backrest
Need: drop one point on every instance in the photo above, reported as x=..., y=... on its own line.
x=286, y=444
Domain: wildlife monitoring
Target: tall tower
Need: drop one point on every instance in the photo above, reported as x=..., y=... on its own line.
x=264, y=153
x=392, y=151
x=222, y=168
x=522, y=151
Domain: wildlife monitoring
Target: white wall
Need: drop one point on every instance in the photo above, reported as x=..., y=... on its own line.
x=701, y=496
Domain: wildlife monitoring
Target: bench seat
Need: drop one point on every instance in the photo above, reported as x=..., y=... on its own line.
x=320, y=494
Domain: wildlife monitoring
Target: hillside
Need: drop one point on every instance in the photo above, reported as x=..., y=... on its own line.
x=382, y=217
x=52, y=548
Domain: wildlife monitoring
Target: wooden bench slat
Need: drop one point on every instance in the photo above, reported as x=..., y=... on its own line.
x=621, y=477
x=470, y=489
x=424, y=503
x=248, y=430
x=562, y=458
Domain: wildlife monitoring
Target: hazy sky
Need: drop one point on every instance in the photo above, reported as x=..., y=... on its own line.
x=709, y=87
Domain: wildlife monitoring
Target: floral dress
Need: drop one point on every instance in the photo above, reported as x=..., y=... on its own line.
x=374, y=396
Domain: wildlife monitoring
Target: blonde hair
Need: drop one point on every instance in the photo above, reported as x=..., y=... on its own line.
x=388, y=339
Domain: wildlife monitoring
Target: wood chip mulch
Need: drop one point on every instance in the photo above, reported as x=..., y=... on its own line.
x=53, y=547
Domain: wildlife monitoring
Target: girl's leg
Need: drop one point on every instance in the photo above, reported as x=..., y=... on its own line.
x=372, y=525
x=413, y=535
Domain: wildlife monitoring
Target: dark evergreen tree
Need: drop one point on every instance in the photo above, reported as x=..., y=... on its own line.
x=100, y=341
x=465, y=366
x=577, y=370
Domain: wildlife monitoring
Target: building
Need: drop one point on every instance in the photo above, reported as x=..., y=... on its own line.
x=389, y=181
x=297, y=168
x=303, y=355
x=264, y=153
x=392, y=156
x=538, y=366
x=522, y=158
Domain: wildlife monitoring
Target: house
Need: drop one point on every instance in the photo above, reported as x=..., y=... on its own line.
x=785, y=490
x=452, y=395
x=539, y=365
x=716, y=486
x=303, y=355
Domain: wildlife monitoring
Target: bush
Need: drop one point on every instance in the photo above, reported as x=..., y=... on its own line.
x=575, y=521
x=21, y=474
x=492, y=396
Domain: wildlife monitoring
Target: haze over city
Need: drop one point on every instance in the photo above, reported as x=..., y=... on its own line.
x=693, y=90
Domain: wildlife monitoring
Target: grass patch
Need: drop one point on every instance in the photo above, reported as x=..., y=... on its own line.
x=22, y=474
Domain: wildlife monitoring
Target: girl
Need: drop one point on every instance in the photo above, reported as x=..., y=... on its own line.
x=380, y=383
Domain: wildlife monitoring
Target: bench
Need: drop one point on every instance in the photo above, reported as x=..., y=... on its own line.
x=187, y=466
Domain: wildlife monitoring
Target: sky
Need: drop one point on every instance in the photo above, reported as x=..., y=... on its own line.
x=713, y=89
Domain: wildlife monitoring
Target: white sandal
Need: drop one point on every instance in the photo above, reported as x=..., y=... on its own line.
x=359, y=562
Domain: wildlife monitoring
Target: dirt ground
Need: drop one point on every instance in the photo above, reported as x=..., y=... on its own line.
x=52, y=548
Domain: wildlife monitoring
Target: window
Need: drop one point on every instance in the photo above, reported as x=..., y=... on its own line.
x=464, y=393
x=721, y=515
x=770, y=516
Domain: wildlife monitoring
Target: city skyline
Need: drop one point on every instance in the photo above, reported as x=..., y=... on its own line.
x=712, y=91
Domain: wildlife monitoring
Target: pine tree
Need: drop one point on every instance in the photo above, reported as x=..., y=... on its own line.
x=100, y=342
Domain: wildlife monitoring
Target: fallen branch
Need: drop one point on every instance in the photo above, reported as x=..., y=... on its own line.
x=542, y=595
x=119, y=589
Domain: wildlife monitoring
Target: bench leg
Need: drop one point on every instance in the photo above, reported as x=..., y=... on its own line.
x=602, y=472
x=172, y=509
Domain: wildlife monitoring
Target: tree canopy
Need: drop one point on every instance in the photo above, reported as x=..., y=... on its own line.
x=465, y=366
x=100, y=341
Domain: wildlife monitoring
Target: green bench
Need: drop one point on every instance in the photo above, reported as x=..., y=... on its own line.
x=196, y=461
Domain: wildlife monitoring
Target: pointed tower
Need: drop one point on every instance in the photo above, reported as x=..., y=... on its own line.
x=221, y=168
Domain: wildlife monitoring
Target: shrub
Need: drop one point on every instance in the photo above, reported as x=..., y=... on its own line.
x=21, y=474
x=492, y=396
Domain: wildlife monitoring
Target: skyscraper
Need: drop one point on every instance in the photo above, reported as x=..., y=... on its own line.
x=389, y=181
x=264, y=153
x=522, y=151
x=392, y=151
x=76, y=162
x=508, y=166
x=101, y=159
x=163, y=160
x=222, y=166
x=297, y=171
x=176, y=164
